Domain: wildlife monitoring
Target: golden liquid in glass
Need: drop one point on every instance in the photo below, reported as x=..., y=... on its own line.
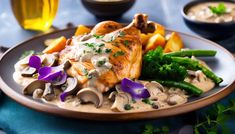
x=35, y=14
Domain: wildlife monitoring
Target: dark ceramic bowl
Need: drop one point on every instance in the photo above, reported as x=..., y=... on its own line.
x=205, y=29
x=108, y=9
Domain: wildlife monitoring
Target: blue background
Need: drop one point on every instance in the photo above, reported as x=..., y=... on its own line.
x=15, y=118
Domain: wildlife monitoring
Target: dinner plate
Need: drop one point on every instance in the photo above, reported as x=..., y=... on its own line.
x=223, y=64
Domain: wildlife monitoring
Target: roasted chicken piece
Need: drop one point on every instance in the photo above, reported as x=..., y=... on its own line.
x=108, y=54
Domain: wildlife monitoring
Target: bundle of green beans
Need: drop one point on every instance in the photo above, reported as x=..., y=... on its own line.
x=181, y=58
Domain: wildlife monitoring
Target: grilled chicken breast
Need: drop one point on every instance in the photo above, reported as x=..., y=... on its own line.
x=108, y=54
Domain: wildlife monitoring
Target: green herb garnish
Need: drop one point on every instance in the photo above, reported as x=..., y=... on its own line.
x=98, y=36
x=118, y=53
x=85, y=71
x=121, y=34
x=219, y=10
x=27, y=53
x=108, y=50
x=101, y=63
x=91, y=45
x=127, y=107
x=133, y=100
x=210, y=121
x=147, y=101
x=99, y=51
x=126, y=42
x=149, y=129
x=101, y=45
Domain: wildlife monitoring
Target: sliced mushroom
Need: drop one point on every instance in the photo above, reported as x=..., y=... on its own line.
x=121, y=99
x=154, y=89
x=28, y=71
x=112, y=96
x=48, y=93
x=37, y=93
x=66, y=65
x=71, y=85
x=50, y=60
x=31, y=87
x=91, y=95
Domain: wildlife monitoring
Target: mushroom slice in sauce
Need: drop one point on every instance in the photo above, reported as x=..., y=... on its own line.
x=91, y=95
x=48, y=93
x=31, y=87
x=50, y=59
x=28, y=71
x=66, y=65
x=121, y=99
x=37, y=93
x=71, y=85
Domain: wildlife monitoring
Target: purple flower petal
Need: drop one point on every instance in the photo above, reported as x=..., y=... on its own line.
x=54, y=75
x=35, y=62
x=44, y=71
x=135, y=89
x=62, y=79
x=63, y=96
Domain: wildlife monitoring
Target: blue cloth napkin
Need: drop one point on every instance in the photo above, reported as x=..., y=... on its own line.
x=17, y=119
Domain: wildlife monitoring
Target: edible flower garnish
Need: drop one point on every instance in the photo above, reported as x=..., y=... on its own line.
x=54, y=75
x=63, y=96
x=135, y=89
x=35, y=62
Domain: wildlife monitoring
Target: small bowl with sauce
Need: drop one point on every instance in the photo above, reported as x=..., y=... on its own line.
x=108, y=8
x=213, y=19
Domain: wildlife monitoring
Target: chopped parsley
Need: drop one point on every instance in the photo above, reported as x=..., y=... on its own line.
x=112, y=38
x=121, y=34
x=219, y=10
x=85, y=71
x=127, y=107
x=126, y=42
x=98, y=36
x=101, y=63
x=108, y=50
x=99, y=51
x=91, y=45
x=133, y=100
x=147, y=101
x=101, y=45
x=118, y=53
x=27, y=53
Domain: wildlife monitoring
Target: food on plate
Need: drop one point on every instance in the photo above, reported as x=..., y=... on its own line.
x=213, y=12
x=109, y=69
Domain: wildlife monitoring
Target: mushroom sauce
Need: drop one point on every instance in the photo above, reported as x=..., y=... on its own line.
x=202, y=12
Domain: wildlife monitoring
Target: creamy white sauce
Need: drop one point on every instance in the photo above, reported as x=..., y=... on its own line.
x=201, y=12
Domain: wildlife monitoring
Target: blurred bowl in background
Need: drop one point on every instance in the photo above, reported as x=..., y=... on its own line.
x=209, y=30
x=108, y=8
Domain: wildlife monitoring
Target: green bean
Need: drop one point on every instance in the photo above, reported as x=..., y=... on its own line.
x=195, y=65
x=182, y=85
x=194, y=52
